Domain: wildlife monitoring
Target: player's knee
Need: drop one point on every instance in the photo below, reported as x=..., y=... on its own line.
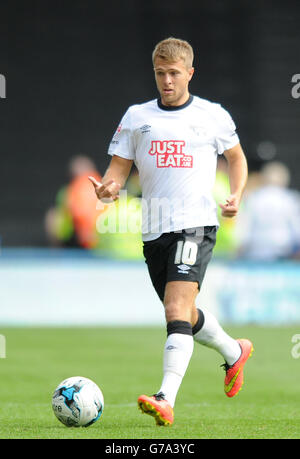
x=175, y=310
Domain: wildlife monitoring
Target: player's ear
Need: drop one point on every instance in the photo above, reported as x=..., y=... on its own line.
x=191, y=73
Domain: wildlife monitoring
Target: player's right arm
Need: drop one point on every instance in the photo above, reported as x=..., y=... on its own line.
x=114, y=178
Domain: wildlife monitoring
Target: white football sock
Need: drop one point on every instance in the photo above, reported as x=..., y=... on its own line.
x=177, y=354
x=212, y=335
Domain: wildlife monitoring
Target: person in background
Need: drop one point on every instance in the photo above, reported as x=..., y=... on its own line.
x=120, y=224
x=269, y=222
x=72, y=221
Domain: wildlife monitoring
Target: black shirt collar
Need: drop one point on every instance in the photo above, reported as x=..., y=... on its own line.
x=175, y=107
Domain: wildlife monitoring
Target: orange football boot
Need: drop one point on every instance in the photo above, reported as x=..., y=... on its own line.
x=234, y=373
x=158, y=407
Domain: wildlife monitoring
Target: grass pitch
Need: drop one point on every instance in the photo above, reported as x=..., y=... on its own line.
x=126, y=362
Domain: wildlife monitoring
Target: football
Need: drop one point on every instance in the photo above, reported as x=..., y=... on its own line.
x=77, y=402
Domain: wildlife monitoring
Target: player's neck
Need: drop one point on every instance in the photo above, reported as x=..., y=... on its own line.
x=176, y=103
x=178, y=106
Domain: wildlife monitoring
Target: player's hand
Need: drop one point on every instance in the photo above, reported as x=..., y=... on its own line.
x=107, y=192
x=230, y=209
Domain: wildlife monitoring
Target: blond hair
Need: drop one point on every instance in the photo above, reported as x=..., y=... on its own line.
x=172, y=49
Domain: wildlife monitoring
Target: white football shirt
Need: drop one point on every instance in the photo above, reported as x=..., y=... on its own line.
x=175, y=151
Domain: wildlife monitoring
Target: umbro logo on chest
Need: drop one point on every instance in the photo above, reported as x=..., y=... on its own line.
x=145, y=128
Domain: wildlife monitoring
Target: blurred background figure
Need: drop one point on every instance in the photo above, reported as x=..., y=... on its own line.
x=78, y=219
x=120, y=224
x=269, y=222
x=71, y=222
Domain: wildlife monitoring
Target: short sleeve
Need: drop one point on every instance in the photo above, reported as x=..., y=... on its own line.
x=226, y=136
x=122, y=141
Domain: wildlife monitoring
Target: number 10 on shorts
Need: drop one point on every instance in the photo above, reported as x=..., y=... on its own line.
x=186, y=253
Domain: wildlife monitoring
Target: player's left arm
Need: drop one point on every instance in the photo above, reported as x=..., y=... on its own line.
x=238, y=174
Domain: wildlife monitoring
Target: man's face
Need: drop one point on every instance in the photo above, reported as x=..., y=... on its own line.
x=172, y=80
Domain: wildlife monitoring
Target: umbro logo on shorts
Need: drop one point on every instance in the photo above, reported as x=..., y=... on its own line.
x=183, y=269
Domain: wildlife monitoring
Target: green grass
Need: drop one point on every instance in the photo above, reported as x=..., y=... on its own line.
x=126, y=362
